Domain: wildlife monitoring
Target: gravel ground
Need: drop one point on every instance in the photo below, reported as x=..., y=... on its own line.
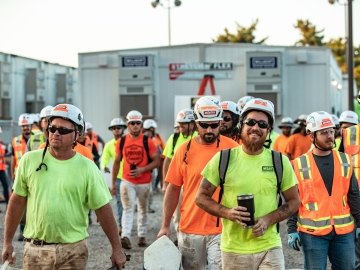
x=99, y=249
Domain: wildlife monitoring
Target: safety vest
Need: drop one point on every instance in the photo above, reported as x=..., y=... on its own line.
x=94, y=140
x=319, y=212
x=2, y=157
x=19, y=146
x=36, y=140
x=351, y=143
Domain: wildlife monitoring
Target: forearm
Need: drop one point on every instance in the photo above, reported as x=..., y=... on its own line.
x=210, y=206
x=292, y=223
x=171, y=199
x=152, y=165
x=108, y=224
x=283, y=212
x=115, y=171
x=14, y=214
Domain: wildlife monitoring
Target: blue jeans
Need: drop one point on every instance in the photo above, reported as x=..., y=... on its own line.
x=118, y=201
x=339, y=248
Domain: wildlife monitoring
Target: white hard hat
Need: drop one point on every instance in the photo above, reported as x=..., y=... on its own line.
x=185, y=116
x=88, y=125
x=149, y=123
x=45, y=112
x=207, y=109
x=243, y=100
x=117, y=122
x=25, y=119
x=301, y=118
x=318, y=121
x=335, y=119
x=35, y=117
x=286, y=122
x=68, y=112
x=259, y=104
x=134, y=116
x=349, y=117
x=230, y=106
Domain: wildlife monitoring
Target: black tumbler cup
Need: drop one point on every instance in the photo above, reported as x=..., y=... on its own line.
x=247, y=200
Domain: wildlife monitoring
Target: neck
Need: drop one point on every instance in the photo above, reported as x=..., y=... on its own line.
x=252, y=152
x=318, y=152
x=61, y=154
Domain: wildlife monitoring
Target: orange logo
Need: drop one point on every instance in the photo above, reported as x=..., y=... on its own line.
x=326, y=122
x=260, y=102
x=61, y=107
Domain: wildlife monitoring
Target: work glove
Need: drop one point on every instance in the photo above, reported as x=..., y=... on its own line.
x=357, y=233
x=294, y=241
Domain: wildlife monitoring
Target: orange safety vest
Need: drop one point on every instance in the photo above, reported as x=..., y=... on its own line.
x=318, y=211
x=351, y=142
x=94, y=140
x=2, y=157
x=19, y=146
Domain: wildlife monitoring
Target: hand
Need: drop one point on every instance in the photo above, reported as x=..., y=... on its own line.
x=294, y=241
x=357, y=233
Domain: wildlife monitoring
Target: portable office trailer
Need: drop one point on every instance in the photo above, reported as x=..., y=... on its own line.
x=297, y=79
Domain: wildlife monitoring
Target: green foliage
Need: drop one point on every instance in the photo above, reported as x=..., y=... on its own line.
x=242, y=35
x=310, y=36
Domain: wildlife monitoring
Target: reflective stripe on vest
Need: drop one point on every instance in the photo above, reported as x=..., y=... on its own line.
x=351, y=141
x=316, y=200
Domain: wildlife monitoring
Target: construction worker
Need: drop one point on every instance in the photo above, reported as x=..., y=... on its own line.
x=95, y=141
x=348, y=119
x=117, y=127
x=139, y=156
x=299, y=142
x=243, y=100
x=280, y=142
x=330, y=200
x=198, y=237
x=350, y=144
x=59, y=186
x=3, y=175
x=229, y=125
x=40, y=137
x=248, y=172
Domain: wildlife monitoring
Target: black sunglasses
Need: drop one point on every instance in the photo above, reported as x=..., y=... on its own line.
x=253, y=122
x=227, y=119
x=206, y=126
x=135, y=123
x=61, y=130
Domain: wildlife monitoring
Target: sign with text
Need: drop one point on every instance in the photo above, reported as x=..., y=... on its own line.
x=135, y=61
x=263, y=62
x=195, y=70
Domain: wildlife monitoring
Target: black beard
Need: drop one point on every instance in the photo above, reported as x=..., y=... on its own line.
x=209, y=138
x=226, y=131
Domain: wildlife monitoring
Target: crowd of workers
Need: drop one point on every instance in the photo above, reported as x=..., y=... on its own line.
x=218, y=151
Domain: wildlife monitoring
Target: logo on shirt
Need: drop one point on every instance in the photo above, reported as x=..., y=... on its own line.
x=267, y=168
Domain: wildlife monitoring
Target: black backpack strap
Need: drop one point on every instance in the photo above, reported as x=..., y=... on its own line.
x=146, y=146
x=175, y=138
x=223, y=166
x=122, y=143
x=278, y=167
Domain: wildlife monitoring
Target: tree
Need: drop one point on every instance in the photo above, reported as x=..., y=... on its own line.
x=310, y=36
x=242, y=35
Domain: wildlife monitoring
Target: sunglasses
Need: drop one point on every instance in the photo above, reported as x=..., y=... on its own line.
x=135, y=123
x=116, y=127
x=61, y=130
x=206, y=126
x=227, y=119
x=253, y=122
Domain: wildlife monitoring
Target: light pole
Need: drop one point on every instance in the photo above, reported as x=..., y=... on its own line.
x=168, y=6
x=349, y=52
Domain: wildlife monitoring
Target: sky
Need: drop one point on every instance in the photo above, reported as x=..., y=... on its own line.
x=57, y=30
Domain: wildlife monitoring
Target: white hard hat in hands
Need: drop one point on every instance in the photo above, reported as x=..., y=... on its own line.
x=45, y=112
x=230, y=106
x=286, y=122
x=349, y=117
x=25, y=119
x=68, y=112
x=185, y=116
x=134, y=116
x=207, y=109
x=243, y=100
x=149, y=123
x=259, y=104
x=117, y=122
x=318, y=121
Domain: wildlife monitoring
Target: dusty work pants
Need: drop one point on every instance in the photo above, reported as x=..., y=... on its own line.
x=130, y=195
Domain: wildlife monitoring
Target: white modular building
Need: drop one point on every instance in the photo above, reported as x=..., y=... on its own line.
x=27, y=85
x=160, y=81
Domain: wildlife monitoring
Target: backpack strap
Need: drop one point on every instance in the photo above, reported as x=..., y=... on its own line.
x=146, y=146
x=175, y=138
x=122, y=143
x=223, y=166
x=278, y=167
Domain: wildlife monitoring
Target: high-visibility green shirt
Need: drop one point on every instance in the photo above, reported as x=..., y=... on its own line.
x=168, y=150
x=108, y=155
